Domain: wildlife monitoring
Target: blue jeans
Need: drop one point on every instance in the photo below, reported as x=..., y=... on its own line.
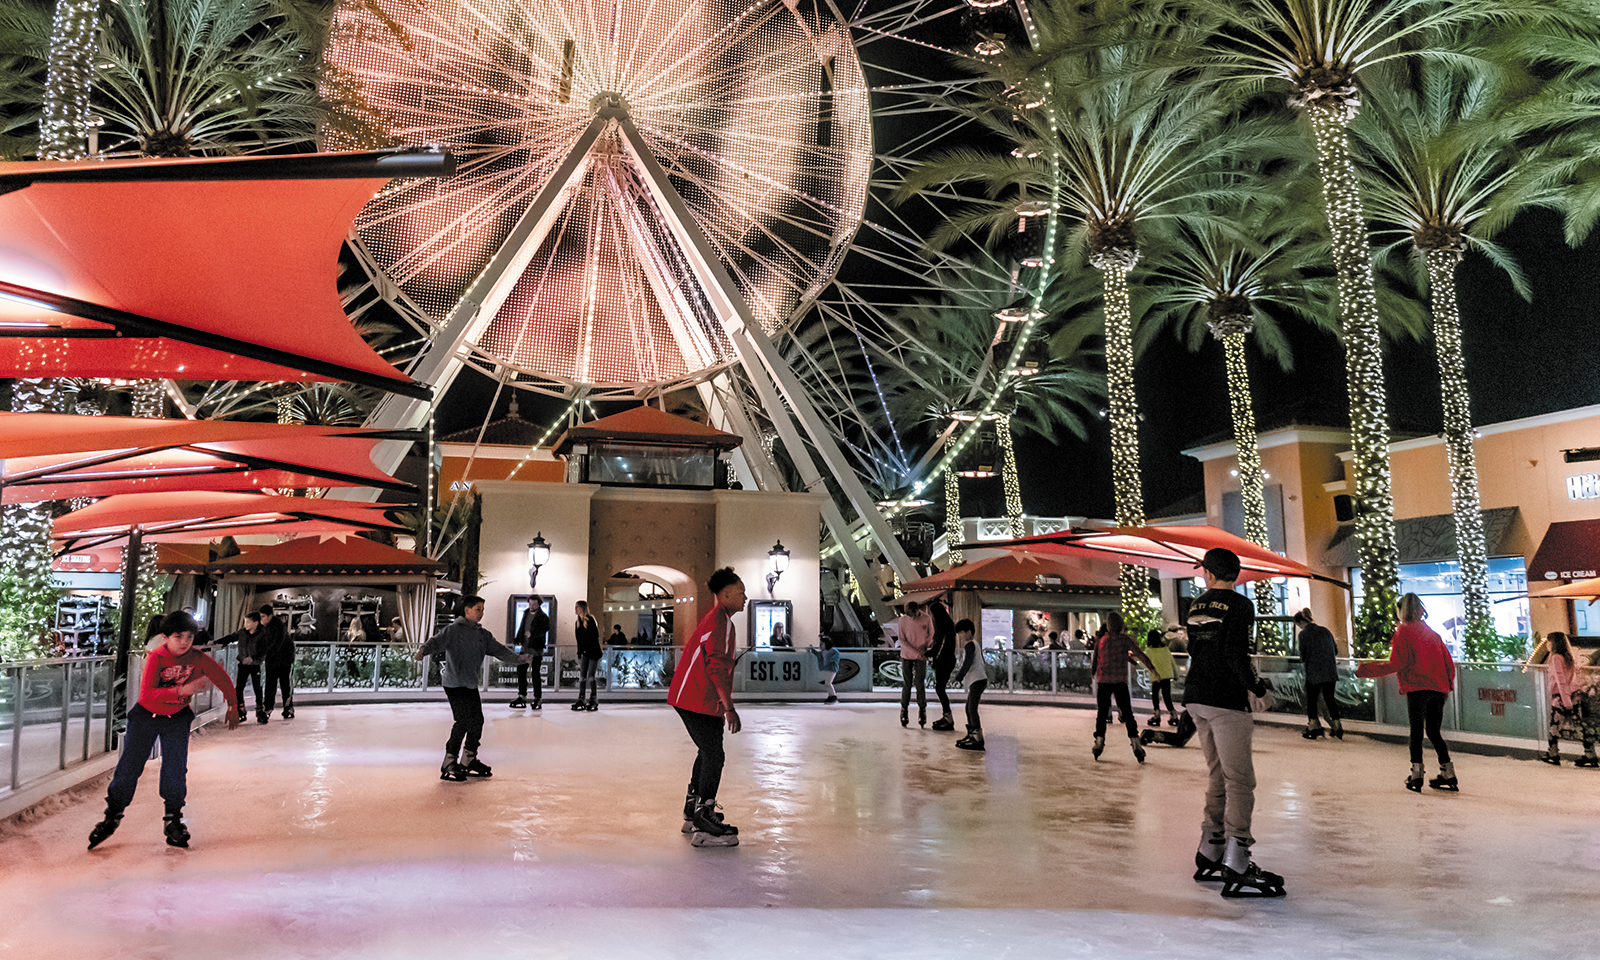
x=144, y=729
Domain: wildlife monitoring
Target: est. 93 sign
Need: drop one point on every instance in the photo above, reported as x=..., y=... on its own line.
x=775, y=671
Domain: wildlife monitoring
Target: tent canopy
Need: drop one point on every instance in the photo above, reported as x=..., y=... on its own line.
x=56, y=457
x=1172, y=551
x=306, y=555
x=1022, y=572
x=200, y=516
x=646, y=424
x=220, y=269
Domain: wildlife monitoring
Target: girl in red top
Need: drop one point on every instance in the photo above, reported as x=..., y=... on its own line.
x=702, y=693
x=173, y=673
x=1427, y=674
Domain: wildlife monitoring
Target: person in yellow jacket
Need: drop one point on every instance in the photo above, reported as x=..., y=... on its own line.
x=1162, y=672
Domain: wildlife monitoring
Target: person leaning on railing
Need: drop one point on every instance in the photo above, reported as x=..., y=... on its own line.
x=1570, y=709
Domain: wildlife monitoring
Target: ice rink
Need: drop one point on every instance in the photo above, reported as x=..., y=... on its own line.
x=331, y=836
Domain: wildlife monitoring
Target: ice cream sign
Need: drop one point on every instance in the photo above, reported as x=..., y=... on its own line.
x=1584, y=487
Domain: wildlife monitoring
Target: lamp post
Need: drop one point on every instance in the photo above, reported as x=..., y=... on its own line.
x=777, y=562
x=538, y=556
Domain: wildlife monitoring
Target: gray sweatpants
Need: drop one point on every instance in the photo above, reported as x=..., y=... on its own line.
x=1231, y=794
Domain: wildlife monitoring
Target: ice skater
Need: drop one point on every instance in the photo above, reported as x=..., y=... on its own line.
x=974, y=678
x=1162, y=671
x=1179, y=736
x=249, y=637
x=163, y=713
x=943, y=657
x=915, y=630
x=464, y=644
x=587, y=632
x=828, y=667
x=1569, y=704
x=1319, y=657
x=1111, y=658
x=702, y=693
x=532, y=635
x=277, y=653
x=1427, y=674
x=1216, y=694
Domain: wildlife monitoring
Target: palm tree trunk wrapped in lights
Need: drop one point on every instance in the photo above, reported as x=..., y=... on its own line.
x=1233, y=329
x=1114, y=263
x=952, y=517
x=1008, y=474
x=64, y=121
x=1330, y=111
x=1471, y=550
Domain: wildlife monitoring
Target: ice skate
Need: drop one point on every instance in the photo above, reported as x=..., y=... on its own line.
x=1099, y=747
x=592, y=706
x=710, y=830
x=288, y=710
x=1138, y=749
x=261, y=717
x=105, y=828
x=1337, y=730
x=690, y=799
x=518, y=704
x=945, y=722
x=973, y=739
x=922, y=717
x=1313, y=731
x=1551, y=756
x=538, y=704
x=905, y=717
x=577, y=705
x=1155, y=719
x=476, y=768
x=1208, y=859
x=1147, y=737
x=1587, y=760
x=177, y=833
x=1414, y=781
x=1446, y=780
x=1242, y=879
x=453, y=772
x=834, y=699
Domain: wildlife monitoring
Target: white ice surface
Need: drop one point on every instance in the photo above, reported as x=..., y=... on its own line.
x=331, y=836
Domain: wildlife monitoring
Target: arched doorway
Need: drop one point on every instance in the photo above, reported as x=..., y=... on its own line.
x=654, y=604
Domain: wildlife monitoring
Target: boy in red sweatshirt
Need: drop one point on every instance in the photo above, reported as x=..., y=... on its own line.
x=702, y=693
x=173, y=673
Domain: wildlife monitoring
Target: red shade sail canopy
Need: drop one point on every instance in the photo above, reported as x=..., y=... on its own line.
x=191, y=517
x=55, y=456
x=1172, y=551
x=356, y=555
x=230, y=277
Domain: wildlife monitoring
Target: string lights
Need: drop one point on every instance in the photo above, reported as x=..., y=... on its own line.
x=1471, y=550
x=1008, y=474
x=1127, y=485
x=1369, y=421
x=952, y=518
x=64, y=118
x=1233, y=330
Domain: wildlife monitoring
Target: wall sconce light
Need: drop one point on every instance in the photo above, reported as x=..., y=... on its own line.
x=538, y=556
x=777, y=562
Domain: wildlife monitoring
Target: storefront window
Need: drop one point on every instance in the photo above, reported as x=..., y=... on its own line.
x=1439, y=586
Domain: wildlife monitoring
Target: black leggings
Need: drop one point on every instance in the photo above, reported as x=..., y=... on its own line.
x=466, y=730
x=1426, y=708
x=974, y=694
x=706, y=731
x=253, y=672
x=1158, y=690
x=1102, y=713
x=941, y=680
x=1325, y=691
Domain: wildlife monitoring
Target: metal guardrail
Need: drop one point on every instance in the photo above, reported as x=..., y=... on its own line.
x=53, y=714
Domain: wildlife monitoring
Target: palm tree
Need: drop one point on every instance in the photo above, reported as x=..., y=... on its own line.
x=1130, y=132
x=24, y=49
x=1444, y=169
x=1321, y=50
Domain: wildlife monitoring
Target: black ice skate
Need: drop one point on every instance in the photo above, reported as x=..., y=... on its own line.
x=922, y=717
x=177, y=833
x=945, y=722
x=1138, y=749
x=1099, y=747
x=578, y=703
x=593, y=705
x=1587, y=760
x=518, y=704
x=973, y=740
x=1313, y=732
x=105, y=828
x=1208, y=860
x=1446, y=780
x=477, y=768
x=261, y=716
x=453, y=772
x=690, y=799
x=288, y=711
x=1414, y=781
x=1337, y=730
x=1242, y=879
x=833, y=699
x=905, y=717
x=1551, y=756
x=709, y=828
x=538, y=704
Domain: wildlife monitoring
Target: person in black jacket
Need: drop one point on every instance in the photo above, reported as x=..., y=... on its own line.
x=277, y=653
x=1217, y=693
x=1319, y=656
x=943, y=657
x=532, y=635
x=587, y=632
x=249, y=639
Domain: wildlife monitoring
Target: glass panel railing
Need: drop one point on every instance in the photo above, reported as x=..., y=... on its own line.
x=1286, y=676
x=1499, y=699
x=52, y=715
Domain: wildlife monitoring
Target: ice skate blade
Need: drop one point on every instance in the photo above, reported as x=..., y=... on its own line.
x=1415, y=786
x=1589, y=762
x=1238, y=892
x=1553, y=761
x=1449, y=786
x=688, y=826
x=707, y=840
x=969, y=745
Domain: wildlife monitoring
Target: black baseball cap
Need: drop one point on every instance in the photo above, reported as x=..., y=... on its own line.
x=1222, y=563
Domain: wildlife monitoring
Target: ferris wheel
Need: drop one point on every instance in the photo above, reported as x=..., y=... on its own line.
x=641, y=182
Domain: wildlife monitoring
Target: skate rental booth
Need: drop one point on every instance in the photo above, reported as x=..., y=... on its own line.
x=642, y=515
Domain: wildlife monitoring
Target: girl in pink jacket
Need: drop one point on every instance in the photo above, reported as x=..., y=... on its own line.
x=1569, y=703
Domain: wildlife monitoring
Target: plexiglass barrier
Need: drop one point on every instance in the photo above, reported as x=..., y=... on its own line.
x=52, y=715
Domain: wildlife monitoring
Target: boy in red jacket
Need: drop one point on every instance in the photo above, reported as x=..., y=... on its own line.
x=702, y=693
x=170, y=681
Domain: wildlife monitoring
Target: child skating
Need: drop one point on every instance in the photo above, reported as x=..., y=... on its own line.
x=1569, y=704
x=974, y=678
x=465, y=643
x=1427, y=674
x=1162, y=671
x=173, y=673
x=1111, y=658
